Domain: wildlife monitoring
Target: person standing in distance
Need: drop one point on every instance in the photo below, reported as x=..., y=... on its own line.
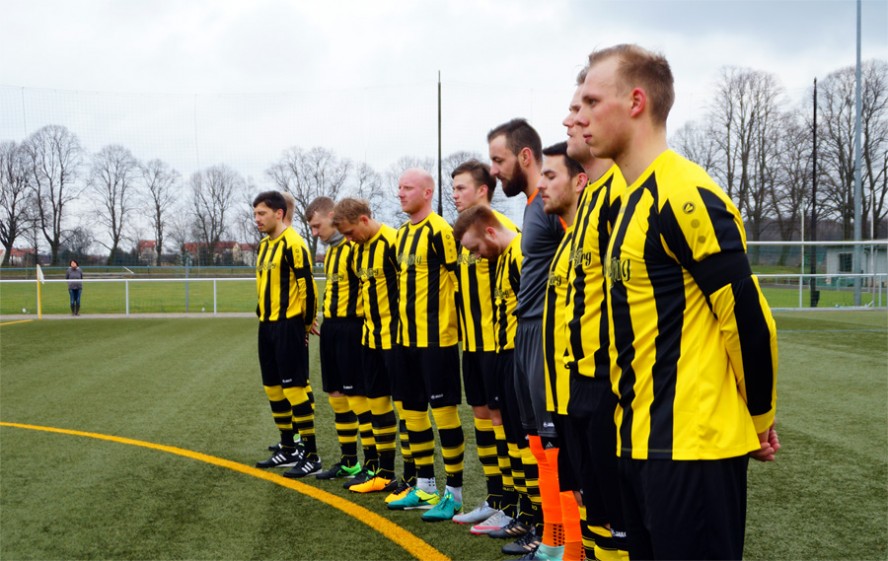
x=693, y=343
x=286, y=308
x=75, y=286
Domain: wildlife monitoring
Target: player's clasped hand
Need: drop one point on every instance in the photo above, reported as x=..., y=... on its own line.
x=770, y=445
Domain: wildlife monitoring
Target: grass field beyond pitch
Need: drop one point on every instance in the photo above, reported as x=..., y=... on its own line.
x=194, y=384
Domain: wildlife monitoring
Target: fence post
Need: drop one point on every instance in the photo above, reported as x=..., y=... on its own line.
x=214, y=296
x=126, y=290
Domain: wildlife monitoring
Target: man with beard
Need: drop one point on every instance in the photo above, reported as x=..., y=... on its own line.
x=516, y=155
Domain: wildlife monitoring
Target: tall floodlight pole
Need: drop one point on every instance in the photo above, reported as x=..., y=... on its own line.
x=440, y=191
x=858, y=190
x=813, y=260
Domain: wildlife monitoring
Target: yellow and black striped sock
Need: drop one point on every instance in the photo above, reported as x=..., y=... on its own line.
x=453, y=443
x=422, y=442
x=303, y=417
x=485, y=443
x=404, y=439
x=509, y=496
x=282, y=413
x=384, y=433
x=532, y=481
x=346, y=423
x=361, y=407
x=605, y=545
x=586, y=532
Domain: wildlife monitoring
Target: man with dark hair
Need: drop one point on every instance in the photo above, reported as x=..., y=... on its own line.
x=286, y=309
x=516, y=153
x=340, y=345
x=473, y=186
x=693, y=345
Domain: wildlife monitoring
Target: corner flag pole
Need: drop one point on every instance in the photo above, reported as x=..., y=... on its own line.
x=440, y=188
x=40, y=280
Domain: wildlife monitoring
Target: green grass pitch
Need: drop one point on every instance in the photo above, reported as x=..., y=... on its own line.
x=194, y=384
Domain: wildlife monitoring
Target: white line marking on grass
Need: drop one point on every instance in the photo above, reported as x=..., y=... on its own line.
x=416, y=547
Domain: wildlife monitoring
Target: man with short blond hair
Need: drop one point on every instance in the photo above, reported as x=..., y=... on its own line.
x=693, y=345
x=376, y=263
x=340, y=345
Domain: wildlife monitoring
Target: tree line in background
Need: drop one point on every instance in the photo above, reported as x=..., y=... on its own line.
x=759, y=151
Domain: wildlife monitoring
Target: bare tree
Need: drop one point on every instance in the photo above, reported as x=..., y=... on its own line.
x=367, y=183
x=161, y=187
x=15, y=203
x=744, y=120
x=214, y=191
x=836, y=99
x=113, y=180
x=76, y=243
x=307, y=174
x=695, y=143
x=790, y=192
x=767, y=130
x=54, y=159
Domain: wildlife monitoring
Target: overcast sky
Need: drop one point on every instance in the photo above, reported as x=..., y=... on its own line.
x=199, y=82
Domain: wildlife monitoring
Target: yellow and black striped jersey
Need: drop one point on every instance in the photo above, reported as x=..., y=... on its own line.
x=376, y=262
x=507, y=285
x=556, y=371
x=427, y=284
x=475, y=296
x=284, y=283
x=342, y=290
x=586, y=312
x=693, y=342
